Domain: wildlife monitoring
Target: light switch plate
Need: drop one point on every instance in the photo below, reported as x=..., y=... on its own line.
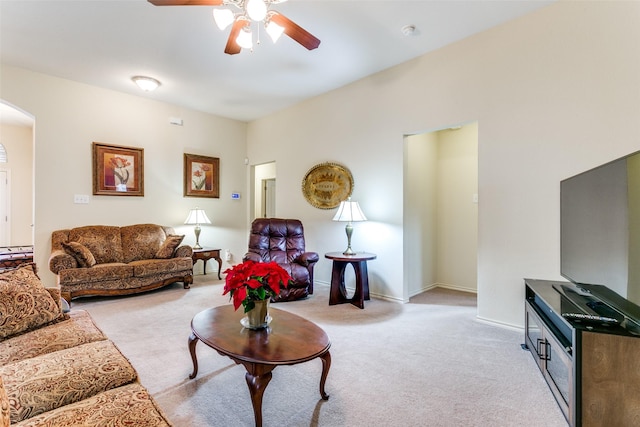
x=81, y=199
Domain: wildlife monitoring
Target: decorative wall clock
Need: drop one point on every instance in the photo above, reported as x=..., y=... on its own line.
x=327, y=184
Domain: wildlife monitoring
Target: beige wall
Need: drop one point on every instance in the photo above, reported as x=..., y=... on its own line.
x=420, y=211
x=457, y=212
x=18, y=141
x=554, y=93
x=70, y=116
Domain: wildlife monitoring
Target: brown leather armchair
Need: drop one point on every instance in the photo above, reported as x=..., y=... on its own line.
x=282, y=241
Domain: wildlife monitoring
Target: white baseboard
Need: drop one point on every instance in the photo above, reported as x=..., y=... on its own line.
x=371, y=294
x=493, y=322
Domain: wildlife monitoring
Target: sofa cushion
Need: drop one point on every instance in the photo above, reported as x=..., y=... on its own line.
x=81, y=253
x=152, y=267
x=169, y=246
x=5, y=419
x=24, y=302
x=129, y=405
x=77, y=330
x=97, y=273
x=50, y=381
x=102, y=240
x=141, y=241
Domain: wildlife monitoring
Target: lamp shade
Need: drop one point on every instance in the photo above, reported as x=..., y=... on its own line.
x=245, y=39
x=349, y=211
x=223, y=18
x=197, y=216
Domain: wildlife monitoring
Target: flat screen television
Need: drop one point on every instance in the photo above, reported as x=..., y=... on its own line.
x=600, y=227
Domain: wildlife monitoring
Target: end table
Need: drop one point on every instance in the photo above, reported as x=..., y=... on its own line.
x=205, y=254
x=338, y=292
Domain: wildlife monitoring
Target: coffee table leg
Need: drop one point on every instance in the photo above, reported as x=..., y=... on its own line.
x=258, y=377
x=326, y=364
x=193, y=340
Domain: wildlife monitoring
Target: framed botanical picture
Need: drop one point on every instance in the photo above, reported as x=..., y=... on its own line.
x=117, y=170
x=201, y=176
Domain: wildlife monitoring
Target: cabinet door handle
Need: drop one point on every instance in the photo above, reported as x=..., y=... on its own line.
x=541, y=353
x=547, y=350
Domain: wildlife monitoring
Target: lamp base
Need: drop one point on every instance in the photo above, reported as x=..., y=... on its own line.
x=197, y=232
x=349, y=230
x=349, y=251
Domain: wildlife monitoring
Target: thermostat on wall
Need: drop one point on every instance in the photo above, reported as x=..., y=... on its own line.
x=235, y=196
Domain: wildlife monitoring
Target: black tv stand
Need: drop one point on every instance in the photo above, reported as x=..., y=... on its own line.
x=592, y=363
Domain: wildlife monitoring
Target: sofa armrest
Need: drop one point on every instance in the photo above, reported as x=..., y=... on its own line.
x=60, y=260
x=307, y=258
x=251, y=256
x=183, y=251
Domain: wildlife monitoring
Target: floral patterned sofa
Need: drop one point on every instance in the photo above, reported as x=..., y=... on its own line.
x=110, y=260
x=59, y=369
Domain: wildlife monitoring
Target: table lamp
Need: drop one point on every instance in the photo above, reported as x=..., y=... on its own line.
x=349, y=212
x=196, y=217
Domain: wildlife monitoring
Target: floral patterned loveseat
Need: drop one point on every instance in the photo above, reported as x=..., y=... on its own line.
x=111, y=260
x=58, y=369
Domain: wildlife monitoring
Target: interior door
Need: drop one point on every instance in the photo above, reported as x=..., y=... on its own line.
x=269, y=198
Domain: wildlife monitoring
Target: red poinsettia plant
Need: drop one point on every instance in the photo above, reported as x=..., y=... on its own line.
x=253, y=281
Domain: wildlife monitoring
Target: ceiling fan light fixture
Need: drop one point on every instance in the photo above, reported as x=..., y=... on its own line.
x=148, y=84
x=274, y=30
x=245, y=38
x=223, y=17
x=240, y=14
x=256, y=9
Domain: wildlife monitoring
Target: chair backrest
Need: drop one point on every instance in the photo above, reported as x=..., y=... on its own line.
x=275, y=239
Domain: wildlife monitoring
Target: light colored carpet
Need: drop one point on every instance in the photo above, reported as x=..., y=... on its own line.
x=426, y=363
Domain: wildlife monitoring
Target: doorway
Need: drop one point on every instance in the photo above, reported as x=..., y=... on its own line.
x=17, y=204
x=264, y=190
x=441, y=209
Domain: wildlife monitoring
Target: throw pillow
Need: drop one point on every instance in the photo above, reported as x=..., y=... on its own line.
x=80, y=252
x=5, y=420
x=24, y=302
x=169, y=246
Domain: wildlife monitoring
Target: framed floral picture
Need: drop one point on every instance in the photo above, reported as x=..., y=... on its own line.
x=117, y=170
x=201, y=176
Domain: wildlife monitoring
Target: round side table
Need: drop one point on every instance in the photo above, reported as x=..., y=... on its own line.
x=338, y=292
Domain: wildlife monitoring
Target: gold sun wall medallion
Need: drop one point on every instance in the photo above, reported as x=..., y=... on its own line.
x=326, y=185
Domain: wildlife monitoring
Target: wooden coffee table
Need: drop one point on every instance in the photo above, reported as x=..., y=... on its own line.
x=289, y=339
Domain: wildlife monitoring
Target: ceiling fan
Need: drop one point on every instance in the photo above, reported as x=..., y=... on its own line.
x=249, y=11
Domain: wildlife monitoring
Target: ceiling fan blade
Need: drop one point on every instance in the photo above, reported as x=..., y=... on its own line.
x=296, y=32
x=232, y=46
x=186, y=2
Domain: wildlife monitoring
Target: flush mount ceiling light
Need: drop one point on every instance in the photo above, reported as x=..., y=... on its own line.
x=148, y=84
x=242, y=14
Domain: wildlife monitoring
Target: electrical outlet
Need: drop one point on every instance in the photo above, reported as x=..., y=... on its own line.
x=81, y=199
x=227, y=255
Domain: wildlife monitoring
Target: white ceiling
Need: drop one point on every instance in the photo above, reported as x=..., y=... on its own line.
x=106, y=42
